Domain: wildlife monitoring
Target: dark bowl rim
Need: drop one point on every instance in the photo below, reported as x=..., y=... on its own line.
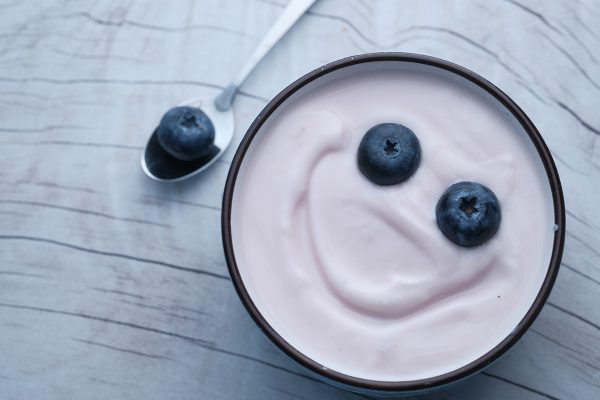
x=498, y=350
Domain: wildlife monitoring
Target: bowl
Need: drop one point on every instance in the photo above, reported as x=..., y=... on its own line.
x=370, y=386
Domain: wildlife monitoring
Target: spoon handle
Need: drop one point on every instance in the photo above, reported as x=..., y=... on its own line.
x=292, y=12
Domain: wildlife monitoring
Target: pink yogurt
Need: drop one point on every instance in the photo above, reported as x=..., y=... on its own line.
x=358, y=277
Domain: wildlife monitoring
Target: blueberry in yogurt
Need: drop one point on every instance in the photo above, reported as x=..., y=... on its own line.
x=389, y=154
x=186, y=133
x=468, y=213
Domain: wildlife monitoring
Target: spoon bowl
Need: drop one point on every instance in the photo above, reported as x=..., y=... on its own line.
x=159, y=165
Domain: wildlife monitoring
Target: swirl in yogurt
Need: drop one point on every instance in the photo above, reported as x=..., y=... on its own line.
x=358, y=276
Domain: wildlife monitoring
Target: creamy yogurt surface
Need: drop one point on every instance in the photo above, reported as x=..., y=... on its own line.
x=358, y=277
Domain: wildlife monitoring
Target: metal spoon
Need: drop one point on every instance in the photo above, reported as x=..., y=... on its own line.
x=161, y=166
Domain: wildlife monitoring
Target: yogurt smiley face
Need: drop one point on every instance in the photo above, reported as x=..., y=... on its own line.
x=358, y=276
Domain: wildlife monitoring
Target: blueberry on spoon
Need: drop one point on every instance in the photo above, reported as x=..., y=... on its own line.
x=468, y=213
x=389, y=154
x=186, y=133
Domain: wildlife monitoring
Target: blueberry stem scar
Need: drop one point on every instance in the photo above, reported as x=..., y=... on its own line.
x=468, y=206
x=390, y=147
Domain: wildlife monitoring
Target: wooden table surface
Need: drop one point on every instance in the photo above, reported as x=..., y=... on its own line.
x=113, y=286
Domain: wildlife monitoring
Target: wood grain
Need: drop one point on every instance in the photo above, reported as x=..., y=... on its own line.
x=114, y=286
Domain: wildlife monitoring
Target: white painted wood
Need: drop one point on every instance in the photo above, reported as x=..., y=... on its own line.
x=114, y=286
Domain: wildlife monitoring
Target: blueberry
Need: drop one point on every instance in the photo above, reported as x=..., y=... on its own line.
x=186, y=133
x=468, y=213
x=388, y=154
